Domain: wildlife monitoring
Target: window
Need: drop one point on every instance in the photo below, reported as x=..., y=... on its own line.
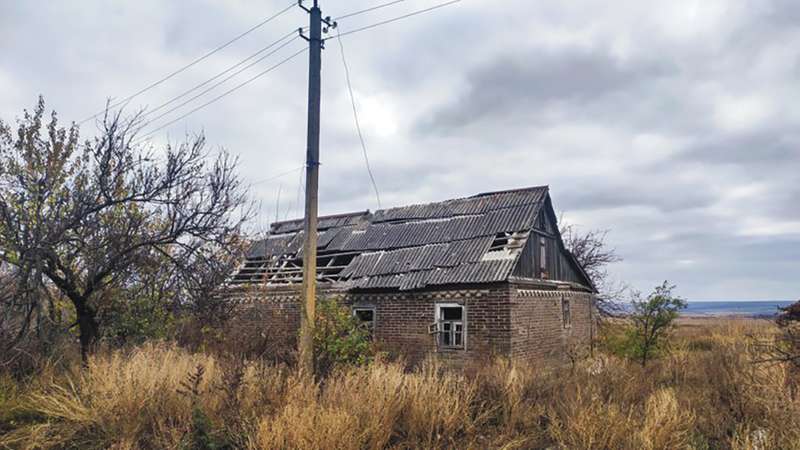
x=543, y=257
x=449, y=326
x=366, y=318
x=566, y=315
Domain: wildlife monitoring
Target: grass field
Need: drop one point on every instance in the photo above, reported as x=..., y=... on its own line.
x=704, y=392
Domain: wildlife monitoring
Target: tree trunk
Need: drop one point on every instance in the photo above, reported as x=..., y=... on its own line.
x=88, y=329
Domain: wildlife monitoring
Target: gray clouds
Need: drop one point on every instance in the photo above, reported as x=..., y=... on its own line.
x=674, y=124
x=539, y=80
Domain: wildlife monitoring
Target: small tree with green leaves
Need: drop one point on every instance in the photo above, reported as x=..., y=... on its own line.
x=339, y=338
x=652, y=321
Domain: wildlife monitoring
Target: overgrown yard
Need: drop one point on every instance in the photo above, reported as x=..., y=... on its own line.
x=703, y=392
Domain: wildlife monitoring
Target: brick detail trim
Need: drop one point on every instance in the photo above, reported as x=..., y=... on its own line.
x=550, y=293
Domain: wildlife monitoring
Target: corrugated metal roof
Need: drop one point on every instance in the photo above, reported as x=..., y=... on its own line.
x=414, y=246
x=324, y=222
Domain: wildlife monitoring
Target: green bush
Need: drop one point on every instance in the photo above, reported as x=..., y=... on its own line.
x=137, y=320
x=652, y=320
x=339, y=338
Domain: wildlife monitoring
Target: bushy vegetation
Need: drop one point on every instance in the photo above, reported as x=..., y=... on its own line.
x=703, y=392
x=103, y=242
x=109, y=230
x=339, y=338
x=646, y=333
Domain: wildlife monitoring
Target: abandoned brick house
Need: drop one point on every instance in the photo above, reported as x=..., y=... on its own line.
x=461, y=278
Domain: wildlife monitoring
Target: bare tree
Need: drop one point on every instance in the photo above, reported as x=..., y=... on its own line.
x=789, y=315
x=92, y=217
x=593, y=254
x=785, y=346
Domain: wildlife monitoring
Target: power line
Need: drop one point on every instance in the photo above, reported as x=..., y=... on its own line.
x=238, y=86
x=275, y=177
x=215, y=85
x=196, y=61
x=293, y=32
x=358, y=125
x=278, y=204
x=405, y=16
x=356, y=13
x=296, y=203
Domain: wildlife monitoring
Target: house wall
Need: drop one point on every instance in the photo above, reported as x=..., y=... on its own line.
x=504, y=319
x=401, y=319
x=557, y=264
x=537, y=319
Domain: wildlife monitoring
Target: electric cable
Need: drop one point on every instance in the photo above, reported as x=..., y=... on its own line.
x=358, y=124
x=217, y=84
x=229, y=91
x=405, y=16
x=191, y=64
x=356, y=13
x=183, y=94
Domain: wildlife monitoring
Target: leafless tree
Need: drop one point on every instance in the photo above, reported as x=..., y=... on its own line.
x=785, y=347
x=90, y=218
x=789, y=315
x=593, y=253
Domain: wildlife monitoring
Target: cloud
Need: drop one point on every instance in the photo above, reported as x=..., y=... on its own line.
x=673, y=124
x=539, y=79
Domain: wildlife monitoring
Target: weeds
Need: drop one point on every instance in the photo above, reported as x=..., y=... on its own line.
x=704, y=393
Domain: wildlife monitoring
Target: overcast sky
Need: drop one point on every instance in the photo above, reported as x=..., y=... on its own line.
x=673, y=124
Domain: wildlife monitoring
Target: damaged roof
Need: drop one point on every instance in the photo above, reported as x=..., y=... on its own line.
x=467, y=240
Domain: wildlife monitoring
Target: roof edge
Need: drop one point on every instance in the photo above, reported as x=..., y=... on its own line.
x=366, y=212
x=546, y=187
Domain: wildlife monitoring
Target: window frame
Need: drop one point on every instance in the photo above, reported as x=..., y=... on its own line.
x=543, y=258
x=355, y=308
x=566, y=312
x=440, y=322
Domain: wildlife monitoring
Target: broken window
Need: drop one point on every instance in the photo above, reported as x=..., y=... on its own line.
x=449, y=326
x=366, y=318
x=506, y=245
x=566, y=314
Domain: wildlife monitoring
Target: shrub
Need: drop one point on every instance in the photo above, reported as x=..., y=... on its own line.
x=339, y=338
x=137, y=320
x=154, y=396
x=652, y=319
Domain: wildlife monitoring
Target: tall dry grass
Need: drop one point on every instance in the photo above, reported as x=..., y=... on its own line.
x=704, y=393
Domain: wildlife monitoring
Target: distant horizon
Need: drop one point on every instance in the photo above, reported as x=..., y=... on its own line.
x=737, y=301
x=742, y=300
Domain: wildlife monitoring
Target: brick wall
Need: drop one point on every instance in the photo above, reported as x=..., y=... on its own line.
x=539, y=331
x=272, y=319
x=503, y=319
x=401, y=319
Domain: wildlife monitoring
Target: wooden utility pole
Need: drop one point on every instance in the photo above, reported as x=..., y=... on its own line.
x=307, y=316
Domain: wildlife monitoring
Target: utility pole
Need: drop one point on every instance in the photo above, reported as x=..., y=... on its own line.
x=308, y=309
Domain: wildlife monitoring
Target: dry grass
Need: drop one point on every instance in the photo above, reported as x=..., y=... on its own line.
x=705, y=393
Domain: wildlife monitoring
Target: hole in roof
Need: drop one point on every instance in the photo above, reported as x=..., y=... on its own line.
x=288, y=269
x=506, y=245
